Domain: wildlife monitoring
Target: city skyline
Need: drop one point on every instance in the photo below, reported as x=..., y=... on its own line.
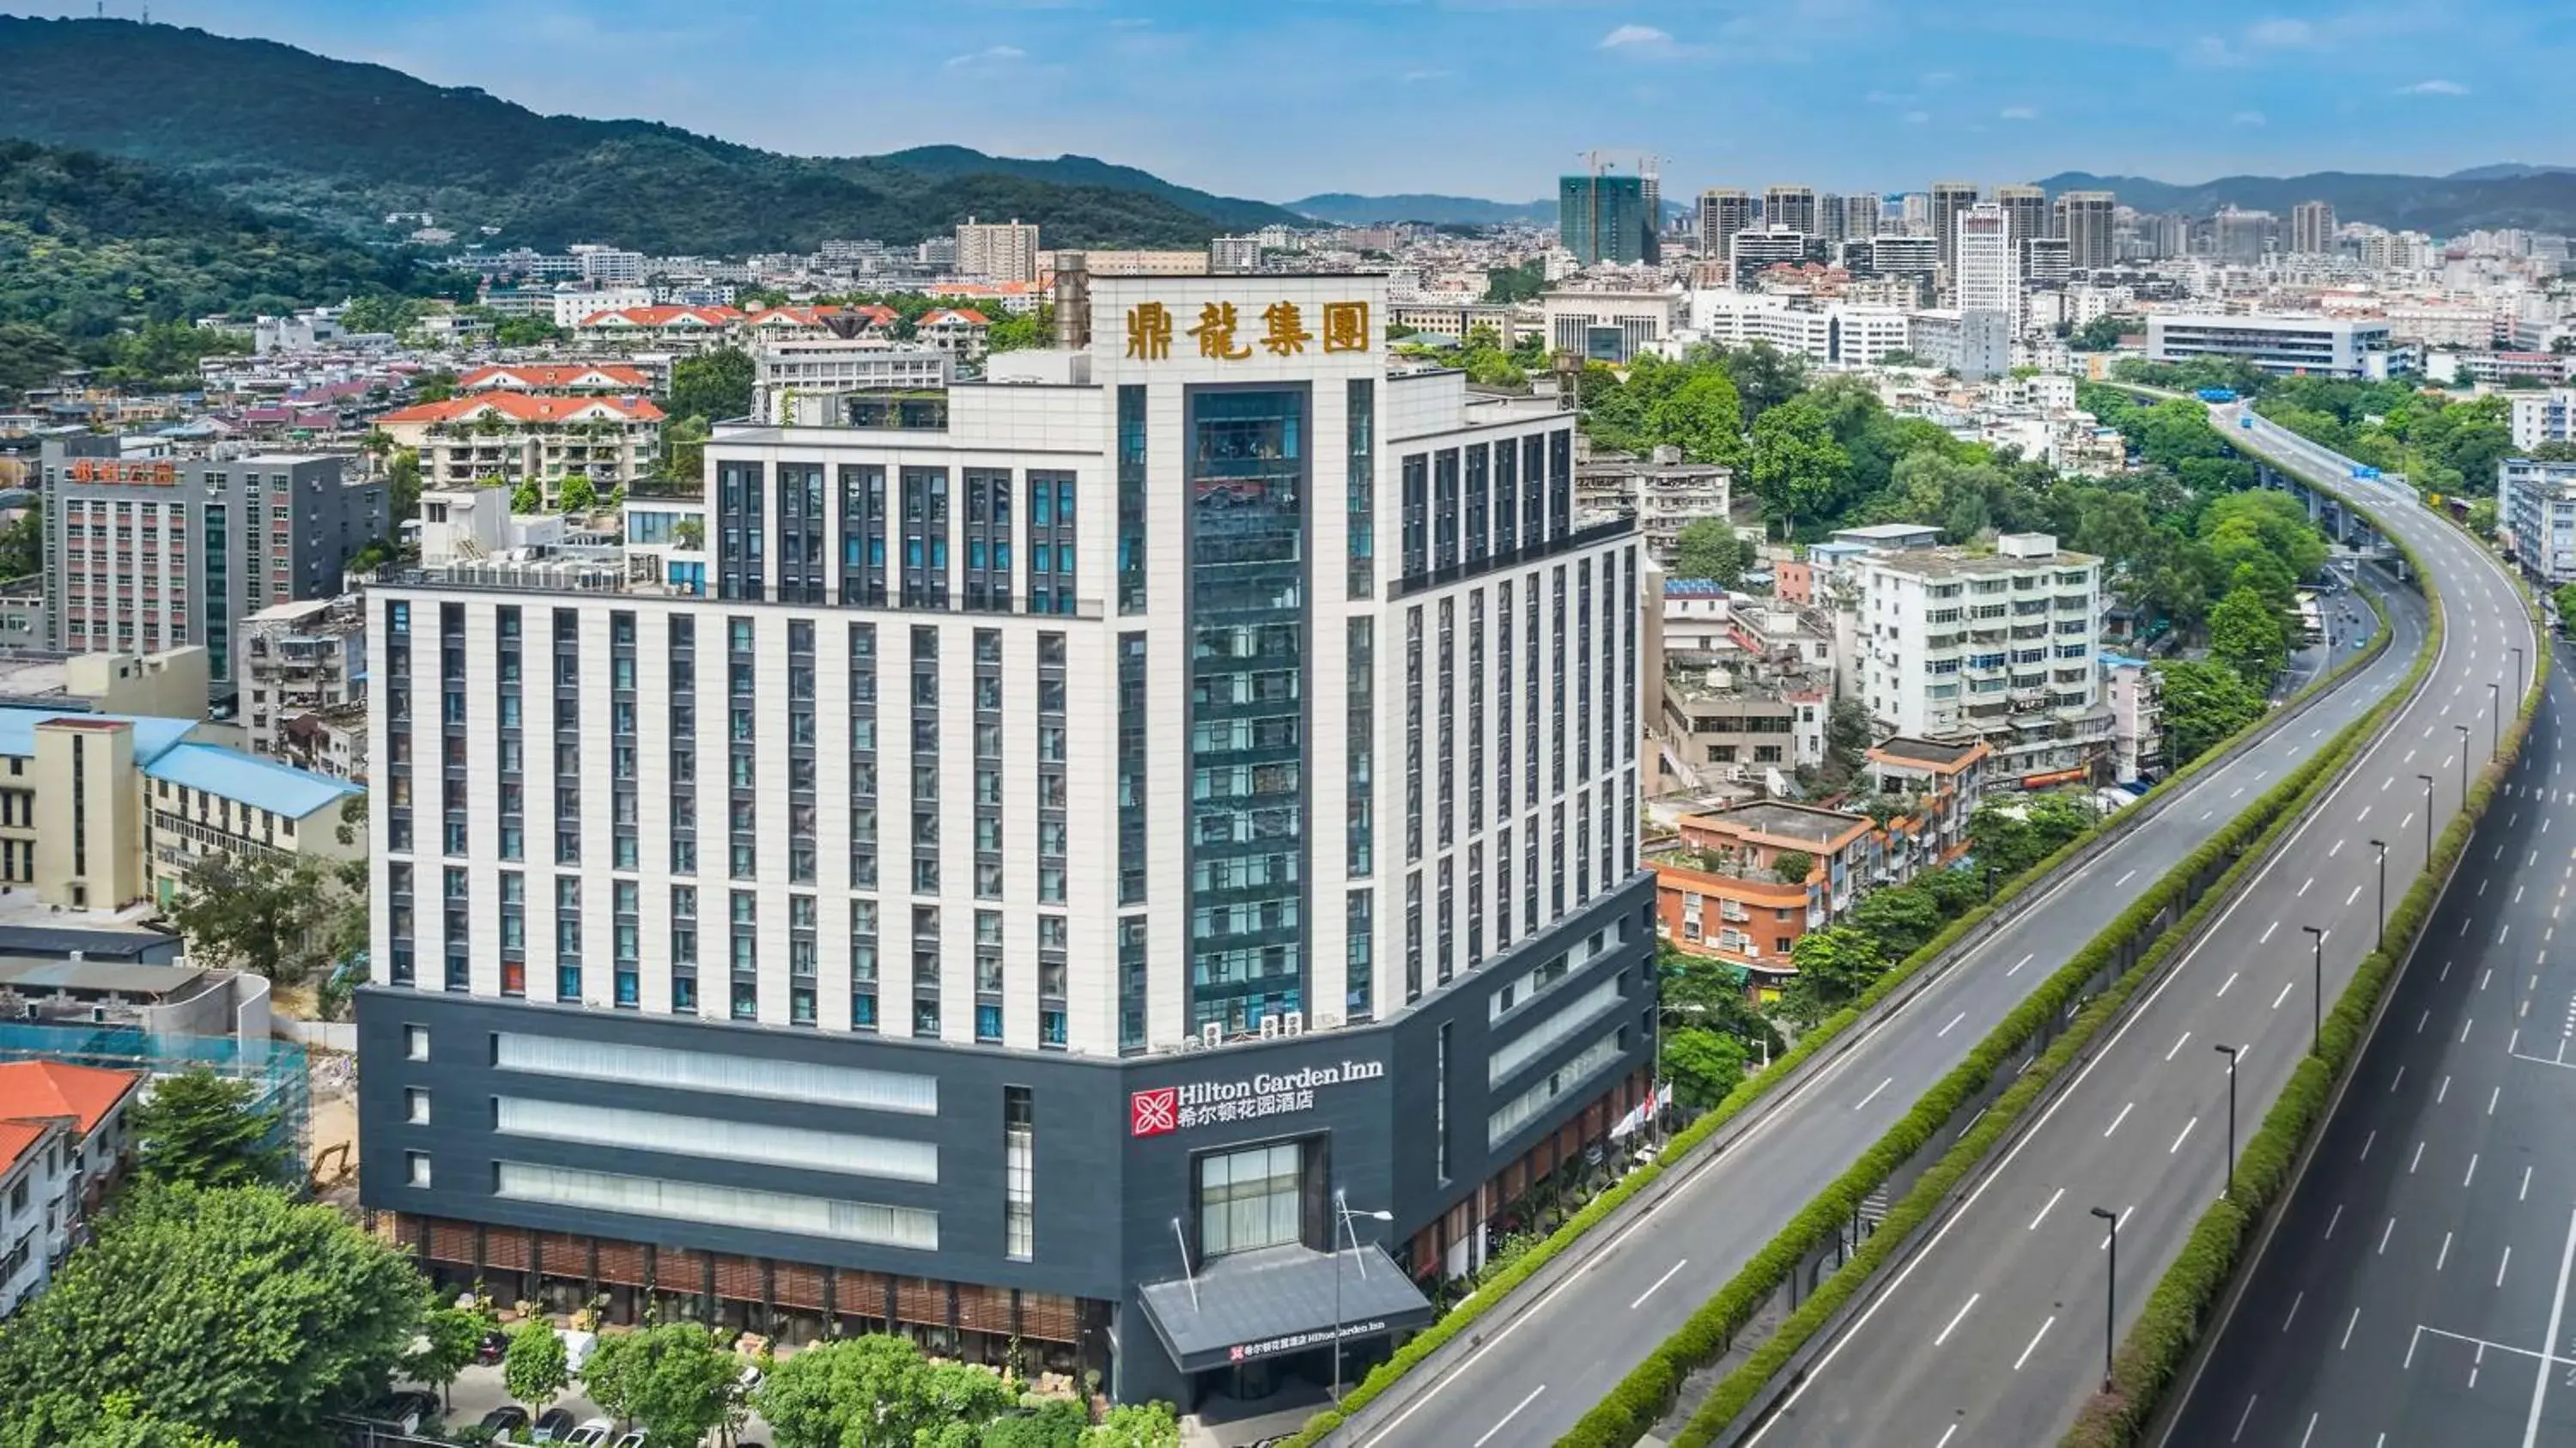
x=1496, y=98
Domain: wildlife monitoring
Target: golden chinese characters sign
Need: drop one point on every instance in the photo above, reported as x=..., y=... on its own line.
x=1223, y=334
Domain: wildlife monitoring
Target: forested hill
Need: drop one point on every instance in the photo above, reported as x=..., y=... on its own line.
x=349, y=144
x=93, y=250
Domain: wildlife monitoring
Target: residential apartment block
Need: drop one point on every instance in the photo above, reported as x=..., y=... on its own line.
x=1000, y=251
x=2544, y=417
x=1952, y=643
x=1079, y=836
x=502, y=439
x=2536, y=511
x=304, y=660
x=157, y=553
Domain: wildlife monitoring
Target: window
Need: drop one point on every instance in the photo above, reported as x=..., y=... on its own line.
x=416, y=1168
x=416, y=1106
x=415, y=1043
x=1019, y=1183
x=1248, y=1199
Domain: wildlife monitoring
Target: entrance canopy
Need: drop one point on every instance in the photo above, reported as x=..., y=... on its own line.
x=1277, y=1300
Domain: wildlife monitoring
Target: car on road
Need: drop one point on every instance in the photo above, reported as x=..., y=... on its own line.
x=552, y=1426
x=504, y=1420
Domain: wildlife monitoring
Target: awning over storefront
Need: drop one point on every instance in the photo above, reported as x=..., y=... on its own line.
x=1280, y=1300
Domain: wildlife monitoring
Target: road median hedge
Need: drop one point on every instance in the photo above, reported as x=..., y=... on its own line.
x=2177, y=1312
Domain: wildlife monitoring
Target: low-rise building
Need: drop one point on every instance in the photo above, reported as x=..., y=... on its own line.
x=682, y=328
x=2536, y=510
x=2136, y=698
x=786, y=373
x=507, y=438
x=89, y=1103
x=2311, y=346
x=1947, y=776
x=209, y=800
x=303, y=659
x=1661, y=492
x=1758, y=913
x=2544, y=417
x=957, y=331
x=34, y=1166
x=557, y=379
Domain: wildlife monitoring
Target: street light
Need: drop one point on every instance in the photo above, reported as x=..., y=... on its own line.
x=2227, y=1177
x=2316, y=1042
x=2381, y=912
x=1344, y=1213
x=2517, y=668
x=2495, y=718
x=2464, y=780
x=2428, y=819
x=1990, y=883
x=2110, y=1293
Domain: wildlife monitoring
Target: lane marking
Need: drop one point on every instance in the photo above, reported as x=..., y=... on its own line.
x=1873, y=1093
x=1507, y=1417
x=2016, y=967
x=1660, y=1281
x=2383, y=1237
x=2177, y=1045
x=2557, y=1313
x=1955, y=1319
x=2178, y=1140
x=2123, y=1116
x=1954, y=1020
x=2347, y=1330
x=2052, y=1322
x=2500, y=1266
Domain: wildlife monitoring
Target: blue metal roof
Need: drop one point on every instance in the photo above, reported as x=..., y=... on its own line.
x=1694, y=588
x=281, y=789
x=151, y=735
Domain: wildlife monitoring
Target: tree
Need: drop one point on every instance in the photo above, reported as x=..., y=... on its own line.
x=1796, y=464
x=2204, y=702
x=275, y=916
x=525, y=331
x=1834, y=965
x=450, y=1339
x=1704, y=1065
x=872, y=1392
x=22, y=545
x=1521, y=282
x=1711, y=548
x=1846, y=735
x=1902, y=918
x=2565, y=600
x=527, y=498
x=534, y=1368
x=2245, y=634
x=684, y=446
x=715, y=383
x=679, y=1381
x=1017, y=331
x=2482, y=517
x=1792, y=867
x=203, y=1130
x=1137, y=1425
x=2103, y=332
x=1053, y=1423
x=1701, y=416
x=402, y=484
x=59, y=1420
x=1764, y=377
x=235, y=1312
x=577, y=495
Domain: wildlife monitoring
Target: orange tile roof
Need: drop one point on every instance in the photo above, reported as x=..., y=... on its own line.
x=553, y=375
x=663, y=316
x=520, y=407
x=798, y=316
x=954, y=314
x=36, y=1089
x=17, y=1138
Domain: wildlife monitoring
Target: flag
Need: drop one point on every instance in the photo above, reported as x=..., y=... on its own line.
x=1635, y=1118
x=1664, y=1096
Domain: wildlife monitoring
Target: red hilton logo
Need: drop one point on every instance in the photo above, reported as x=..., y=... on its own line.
x=1152, y=1113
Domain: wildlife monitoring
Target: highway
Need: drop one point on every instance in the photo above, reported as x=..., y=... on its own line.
x=1543, y=1357
x=2420, y=1271
x=1995, y=1331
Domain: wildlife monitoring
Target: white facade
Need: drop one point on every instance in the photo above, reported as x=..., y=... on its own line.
x=2541, y=417
x=1626, y=323
x=941, y=766
x=2536, y=508
x=1948, y=642
x=1988, y=290
x=2317, y=346
x=783, y=372
x=36, y=1189
x=573, y=303
x=1832, y=333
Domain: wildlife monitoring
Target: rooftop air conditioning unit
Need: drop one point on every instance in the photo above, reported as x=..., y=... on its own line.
x=1211, y=1035
x=1269, y=1027
x=1294, y=1024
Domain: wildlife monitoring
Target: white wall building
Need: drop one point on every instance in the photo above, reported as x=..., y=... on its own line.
x=2536, y=508
x=1951, y=642
x=1611, y=326
x=1000, y=251
x=1833, y=333
x=2316, y=346
x=2540, y=417
x=573, y=302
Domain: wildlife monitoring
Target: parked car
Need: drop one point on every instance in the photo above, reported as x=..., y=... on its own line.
x=552, y=1425
x=489, y=1351
x=410, y=1410
x=593, y=1433
x=633, y=1439
x=507, y=1418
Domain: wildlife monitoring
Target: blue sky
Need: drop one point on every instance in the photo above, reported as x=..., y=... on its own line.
x=1283, y=98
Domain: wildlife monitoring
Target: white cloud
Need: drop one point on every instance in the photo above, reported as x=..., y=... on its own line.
x=989, y=55
x=2212, y=50
x=2280, y=31
x=2019, y=113
x=1939, y=77
x=1916, y=118
x=1422, y=75
x=1131, y=22
x=2247, y=118
x=2433, y=88
x=1643, y=36
x=1890, y=98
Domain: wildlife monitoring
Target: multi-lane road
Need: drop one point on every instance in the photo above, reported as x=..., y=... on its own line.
x=1545, y=1357
x=1994, y=1332
x=2416, y=1290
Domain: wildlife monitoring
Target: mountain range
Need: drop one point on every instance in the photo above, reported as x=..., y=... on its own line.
x=349, y=144
x=2507, y=195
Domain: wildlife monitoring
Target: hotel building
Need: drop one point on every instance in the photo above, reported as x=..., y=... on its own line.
x=1069, y=844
